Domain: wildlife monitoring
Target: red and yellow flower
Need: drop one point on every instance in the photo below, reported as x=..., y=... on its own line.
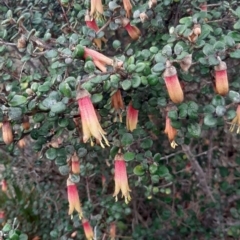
x=131, y=118
x=128, y=8
x=73, y=198
x=75, y=164
x=120, y=178
x=221, y=78
x=90, y=124
x=236, y=121
x=171, y=132
x=87, y=229
x=172, y=83
x=117, y=104
x=133, y=31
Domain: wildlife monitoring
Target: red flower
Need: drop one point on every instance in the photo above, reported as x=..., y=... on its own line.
x=172, y=83
x=132, y=117
x=120, y=178
x=73, y=198
x=4, y=185
x=87, y=229
x=7, y=133
x=133, y=31
x=90, y=123
x=221, y=78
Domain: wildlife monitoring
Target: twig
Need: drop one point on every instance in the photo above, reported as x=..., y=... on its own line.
x=200, y=175
x=104, y=26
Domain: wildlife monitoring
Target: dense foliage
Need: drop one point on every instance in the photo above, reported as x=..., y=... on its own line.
x=147, y=87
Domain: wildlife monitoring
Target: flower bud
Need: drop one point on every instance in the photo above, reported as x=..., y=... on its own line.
x=221, y=78
x=133, y=31
x=75, y=164
x=186, y=62
x=25, y=123
x=7, y=133
x=22, y=42
x=143, y=17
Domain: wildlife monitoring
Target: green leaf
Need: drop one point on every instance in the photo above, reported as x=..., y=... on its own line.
x=129, y=156
x=140, y=67
x=208, y=49
x=38, y=117
x=138, y=170
x=218, y=101
x=220, y=111
x=136, y=81
x=192, y=109
x=173, y=115
x=153, y=168
x=152, y=80
x=54, y=234
x=97, y=97
x=126, y=84
x=237, y=25
x=17, y=100
x=235, y=54
x=82, y=152
x=163, y=171
x=159, y=67
x=183, y=110
x=146, y=143
x=51, y=153
x=210, y=121
x=234, y=96
x=65, y=89
x=194, y=129
x=23, y=236
x=58, y=107
x=51, y=54
x=127, y=139
x=64, y=170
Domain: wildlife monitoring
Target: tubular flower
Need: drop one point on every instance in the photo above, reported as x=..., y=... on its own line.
x=87, y=229
x=75, y=164
x=112, y=231
x=4, y=185
x=7, y=133
x=117, y=104
x=120, y=178
x=91, y=23
x=73, y=198
x=99, y=59
x=128, y=8
x=90, y=123
x=96, y=8
x=172, y=83
x=133, y=31
x=170, y=132
x=132, y=117
x=221, y=78
x=236, y=121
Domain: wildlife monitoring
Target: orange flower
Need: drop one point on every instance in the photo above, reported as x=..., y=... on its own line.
x=120, y=178
x=96, y=8
x=132, y=117
x=75, y=164
x=170, y=132
x=73, y=198
x=7, y=133
x=87, y=229
x=128, y=8
x=236, y=121
x=221, y=78
x=117, y=104
x=90, y=123
x=133, y=31
x=112, y=231
x=91, y=23
x=22, y=143
x=25, y=123
x=172, y=83
x=4, y=185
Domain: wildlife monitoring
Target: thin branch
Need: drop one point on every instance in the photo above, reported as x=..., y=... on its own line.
x=200, y=175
